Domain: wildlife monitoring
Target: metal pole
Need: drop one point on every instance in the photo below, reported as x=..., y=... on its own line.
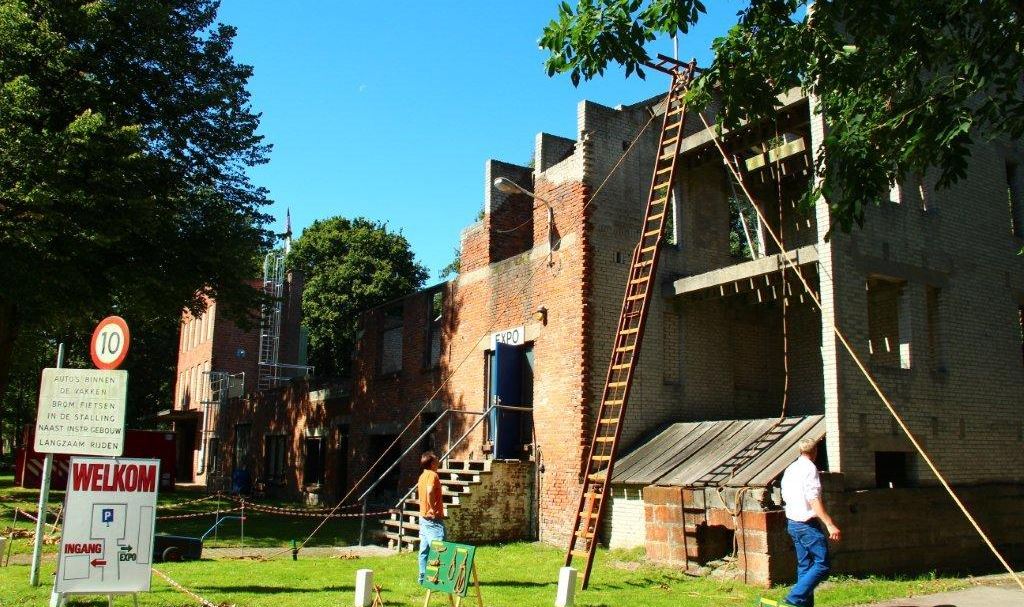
x=44, y=497
x=362, y=523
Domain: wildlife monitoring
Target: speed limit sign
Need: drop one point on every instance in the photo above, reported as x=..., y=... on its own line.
x=109, y=343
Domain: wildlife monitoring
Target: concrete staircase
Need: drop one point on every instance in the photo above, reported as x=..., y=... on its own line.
x=458, y=478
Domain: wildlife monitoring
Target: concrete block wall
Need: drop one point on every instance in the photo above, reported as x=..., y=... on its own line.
x=624, y=525
x=961, y=407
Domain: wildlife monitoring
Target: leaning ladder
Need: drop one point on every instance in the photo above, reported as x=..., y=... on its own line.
x=630, y=331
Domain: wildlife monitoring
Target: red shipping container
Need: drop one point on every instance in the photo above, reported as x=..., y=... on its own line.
x=154, y=444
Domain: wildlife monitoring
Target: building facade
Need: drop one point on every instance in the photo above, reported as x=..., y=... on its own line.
x=930, y=295
x=219, y=361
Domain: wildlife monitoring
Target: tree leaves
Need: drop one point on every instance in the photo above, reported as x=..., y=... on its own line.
x=125, y=136
x=904, y=84
x=350, y=266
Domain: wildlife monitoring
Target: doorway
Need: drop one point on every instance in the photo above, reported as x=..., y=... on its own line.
x=509, y=381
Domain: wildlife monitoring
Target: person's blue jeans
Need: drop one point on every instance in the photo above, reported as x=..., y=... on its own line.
x=430, y=530
x=812, y=564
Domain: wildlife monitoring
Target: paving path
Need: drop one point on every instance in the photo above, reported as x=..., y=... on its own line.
x=1001, y=595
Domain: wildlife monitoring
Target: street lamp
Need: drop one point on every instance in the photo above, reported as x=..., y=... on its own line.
x=507, y=186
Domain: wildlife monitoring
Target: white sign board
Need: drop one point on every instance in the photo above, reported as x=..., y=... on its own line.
x=109, y=514
x=81, y=412
x=515, y=336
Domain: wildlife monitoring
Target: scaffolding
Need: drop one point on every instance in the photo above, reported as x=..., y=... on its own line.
x=222, y=386
x=271, y=371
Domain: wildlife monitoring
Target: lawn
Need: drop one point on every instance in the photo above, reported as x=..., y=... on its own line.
x=520, y=575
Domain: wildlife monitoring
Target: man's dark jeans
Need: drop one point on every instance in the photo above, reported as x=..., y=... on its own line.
x=812, y=564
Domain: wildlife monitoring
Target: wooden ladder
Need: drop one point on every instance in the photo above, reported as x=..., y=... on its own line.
x=629, y=334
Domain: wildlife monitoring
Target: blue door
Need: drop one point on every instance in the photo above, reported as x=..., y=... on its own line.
x=507, y=389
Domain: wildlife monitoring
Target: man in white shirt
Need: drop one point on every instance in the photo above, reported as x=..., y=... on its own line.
x=801, y=495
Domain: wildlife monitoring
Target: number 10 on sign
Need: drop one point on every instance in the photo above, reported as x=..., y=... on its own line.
x=109, y=343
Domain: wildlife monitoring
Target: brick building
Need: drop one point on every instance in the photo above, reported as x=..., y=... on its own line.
x=931, y=295
x=219, y=361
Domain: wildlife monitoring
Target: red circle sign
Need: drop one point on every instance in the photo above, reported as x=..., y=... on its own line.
x=109, y=343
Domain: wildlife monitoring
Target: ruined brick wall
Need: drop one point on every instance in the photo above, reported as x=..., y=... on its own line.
x=295, y=412
x=500, y=509
x=958, y=376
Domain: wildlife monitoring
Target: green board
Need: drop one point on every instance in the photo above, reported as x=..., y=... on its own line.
x=449, y=567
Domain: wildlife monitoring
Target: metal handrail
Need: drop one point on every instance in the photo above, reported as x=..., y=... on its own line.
x=443, y=458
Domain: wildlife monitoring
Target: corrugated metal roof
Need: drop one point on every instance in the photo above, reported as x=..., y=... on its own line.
x=726, y=453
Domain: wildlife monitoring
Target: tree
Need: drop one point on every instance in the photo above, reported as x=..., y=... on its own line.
x=350, y=266
x=905, y=84
x=125, y=135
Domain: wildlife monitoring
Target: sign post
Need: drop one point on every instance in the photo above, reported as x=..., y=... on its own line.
x=81, y=412
x=107, y=544
x=44, y=497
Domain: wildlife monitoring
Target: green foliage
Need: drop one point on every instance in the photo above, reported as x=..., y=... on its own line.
x=125, y=135
x=904, y=84
x=454, y=266
x=350, y=266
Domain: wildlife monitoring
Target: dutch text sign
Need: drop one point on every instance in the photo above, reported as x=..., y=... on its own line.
x=109, y=514
x=81, y=412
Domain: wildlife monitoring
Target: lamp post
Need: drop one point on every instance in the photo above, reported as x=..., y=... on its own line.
x=507, y=186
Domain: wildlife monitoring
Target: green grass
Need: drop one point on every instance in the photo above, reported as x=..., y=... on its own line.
x=520, y=575
x=515, y=575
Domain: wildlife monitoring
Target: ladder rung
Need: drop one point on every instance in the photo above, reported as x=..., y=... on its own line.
x=581, y=554
x=640, y=264
x=644, y=250
x=628, y=331
x=613, y=402
x=601, y=458
x=636, y=297
x=664, y=170
x=587, y=535
x=637, y=281
x=616, y=384
x=604, y=439
x=678, y=110
x=609, y=420
x=625, y=348
x=651, y=233
x=655, y=217
x=625, y=366
x=669, y=141
x=597, y=477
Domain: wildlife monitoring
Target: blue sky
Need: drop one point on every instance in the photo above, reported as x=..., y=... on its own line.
x=390, y=113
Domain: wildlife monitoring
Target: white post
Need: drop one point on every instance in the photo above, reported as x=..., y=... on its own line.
x=44, y=496
x=566, y=587
x=364, y=588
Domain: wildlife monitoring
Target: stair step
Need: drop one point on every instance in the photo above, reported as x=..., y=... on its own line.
x=404, y=525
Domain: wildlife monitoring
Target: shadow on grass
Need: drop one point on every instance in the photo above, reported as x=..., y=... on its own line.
x=255, y=589
x=516, y=584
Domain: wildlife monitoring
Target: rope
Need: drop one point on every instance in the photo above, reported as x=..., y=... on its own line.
x=785, y=300
x=183, y=590
x=622, y=157
x=470, y=352
x=860, y=365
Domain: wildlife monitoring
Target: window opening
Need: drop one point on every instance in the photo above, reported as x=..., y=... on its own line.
x=342, y=468
x=274, y=457
x=892, y=469
x=435, y=314
x=391, y=341
x=242, y=432
x=888, y=329
x=313, y=470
